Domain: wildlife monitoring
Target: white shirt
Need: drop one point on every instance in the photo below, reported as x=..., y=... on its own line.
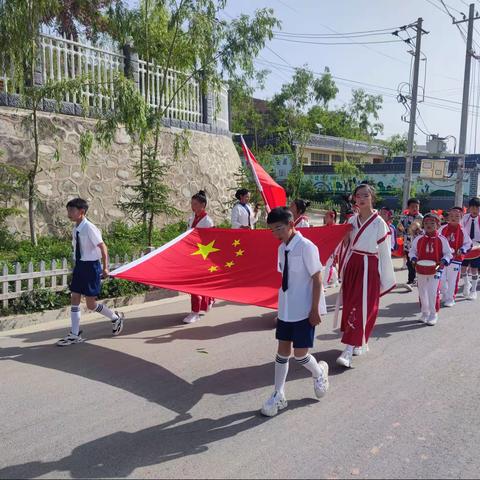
x=205, y=222
x=90, y=237
x=295, y=303
x=240, y=216
x=467, y=225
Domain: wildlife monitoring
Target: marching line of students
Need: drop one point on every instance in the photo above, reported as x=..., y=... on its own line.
x=435, y=255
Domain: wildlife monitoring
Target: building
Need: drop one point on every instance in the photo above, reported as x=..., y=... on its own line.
x=326, y=150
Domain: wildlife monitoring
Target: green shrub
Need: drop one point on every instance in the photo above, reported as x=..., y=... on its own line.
x=115, y=287
x=38, y=301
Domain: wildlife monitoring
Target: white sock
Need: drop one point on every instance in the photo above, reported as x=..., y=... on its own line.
x=474, y=283
x=350, y=348
x=310, y=364
x=281, y=370
x=105, y=311
x=75, y=318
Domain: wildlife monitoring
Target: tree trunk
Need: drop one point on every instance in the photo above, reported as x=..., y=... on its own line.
x=32, y=177
x=150, y=229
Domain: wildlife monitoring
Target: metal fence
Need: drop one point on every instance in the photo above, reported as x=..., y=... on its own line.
x=54, y=278
x=61, y=58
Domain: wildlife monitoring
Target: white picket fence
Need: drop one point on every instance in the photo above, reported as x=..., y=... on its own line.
x=62, y=58
x=14, y=285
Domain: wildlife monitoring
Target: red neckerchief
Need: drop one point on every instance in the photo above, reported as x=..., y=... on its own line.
x=197, y=218
x=299, y=219
x=428, y=248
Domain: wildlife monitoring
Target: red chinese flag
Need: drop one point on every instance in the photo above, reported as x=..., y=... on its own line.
x=272, y=193
x=234, y=265
x=473, y=254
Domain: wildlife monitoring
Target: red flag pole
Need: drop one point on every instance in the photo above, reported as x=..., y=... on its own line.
x=247, y=153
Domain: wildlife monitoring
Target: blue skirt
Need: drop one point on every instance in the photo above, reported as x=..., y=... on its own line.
x=86, y=278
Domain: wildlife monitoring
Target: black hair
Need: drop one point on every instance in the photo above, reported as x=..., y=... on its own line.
x=334, y=213
x=413, y=200
x=280, y=215
x=79, y=203
x=301, y=205
x=200, y=196
x=241, y=193
x=460, y=209
x=474, y=202
x=370, y=189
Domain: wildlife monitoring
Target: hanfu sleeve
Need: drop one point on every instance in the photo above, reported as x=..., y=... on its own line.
x=385, y=265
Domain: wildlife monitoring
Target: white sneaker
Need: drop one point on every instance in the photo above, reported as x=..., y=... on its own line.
x=345, y=359
x=117, y=325
x=191, y=318
x=473, y=295
x=276, y=402
x=432, y=319
x=320, y=384
x=424, y=318
x=357, y=351
x=449, y=303
x=466, y=289
x=408, y=287
x=70, y=339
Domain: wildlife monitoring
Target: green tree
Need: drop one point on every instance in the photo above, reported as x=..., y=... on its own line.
x=325, y=88
x=152, y=195
x=347, y=171
x=396, y=145
x=364, y=109
x=20, y=22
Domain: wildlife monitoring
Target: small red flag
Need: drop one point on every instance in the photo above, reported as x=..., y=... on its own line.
x=234, y=265
x=272, y=193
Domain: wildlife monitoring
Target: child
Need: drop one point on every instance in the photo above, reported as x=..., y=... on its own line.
x=88, y=248
x=199, y=219
x=298, y=207
x=366, y=273
x=243, y=215
x=331, y=272
x=460, y=243
x=406, y=221
x=430, y=246
x=387, y=216
x=300, y=304
x=471, y=224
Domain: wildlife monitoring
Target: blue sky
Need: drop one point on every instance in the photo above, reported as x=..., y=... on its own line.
x=383, y=65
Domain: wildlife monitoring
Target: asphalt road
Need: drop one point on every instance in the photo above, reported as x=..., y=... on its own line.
x=167, y=400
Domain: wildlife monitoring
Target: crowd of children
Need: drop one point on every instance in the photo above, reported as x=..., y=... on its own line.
x=439, y=250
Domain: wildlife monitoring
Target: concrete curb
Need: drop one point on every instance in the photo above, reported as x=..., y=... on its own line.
x=149, y=299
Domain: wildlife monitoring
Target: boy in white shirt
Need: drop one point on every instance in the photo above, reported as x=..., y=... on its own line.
x=88, y=248
x=300, y=303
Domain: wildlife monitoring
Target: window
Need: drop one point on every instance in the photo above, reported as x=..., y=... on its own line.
x=285, y=161
x=377, y=160
x=319, y=158
x=336, y=158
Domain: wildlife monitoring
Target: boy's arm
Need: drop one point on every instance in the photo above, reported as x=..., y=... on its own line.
x=314, y=316
x=104, y=252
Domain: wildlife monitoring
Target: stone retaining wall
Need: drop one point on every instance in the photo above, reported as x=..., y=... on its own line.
x=209, y=164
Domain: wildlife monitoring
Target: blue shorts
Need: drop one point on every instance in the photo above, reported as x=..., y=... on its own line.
x=86, y=278
x=301, y=333
x=474, y=263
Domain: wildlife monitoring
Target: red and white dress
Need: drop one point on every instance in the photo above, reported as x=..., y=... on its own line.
x=430, y=247
x=458, y=239
x=200, y=303
x=367, y=273
x=301, y=222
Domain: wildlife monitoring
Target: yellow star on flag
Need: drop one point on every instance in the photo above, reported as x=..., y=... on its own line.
x=213, y=268
x=206, y=250
x=236, y=243
x=239, y=253
x=230, y=264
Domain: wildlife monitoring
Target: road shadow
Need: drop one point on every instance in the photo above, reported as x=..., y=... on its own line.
x=400, y=310
x=203, y=331
x=119, y=454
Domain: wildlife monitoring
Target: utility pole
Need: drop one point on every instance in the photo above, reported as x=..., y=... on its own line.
x=407, y=181
x=464, y=121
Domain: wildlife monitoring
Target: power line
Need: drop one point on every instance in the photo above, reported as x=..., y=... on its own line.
x=338, y=43
x=381, y=31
